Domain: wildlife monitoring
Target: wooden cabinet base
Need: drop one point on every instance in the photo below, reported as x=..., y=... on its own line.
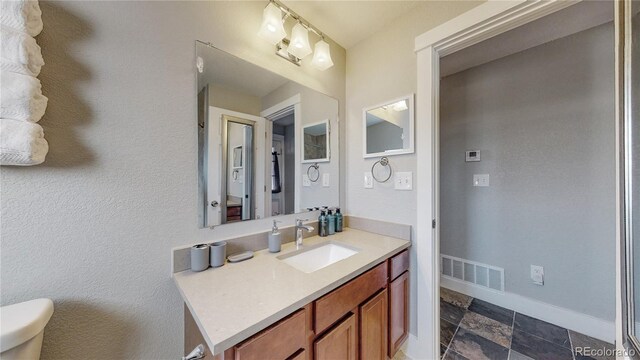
x=341, y=342
x=364, y=319
x=398, y=312
x=373, y=327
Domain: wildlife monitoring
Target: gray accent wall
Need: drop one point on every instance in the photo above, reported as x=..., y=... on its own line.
x=543, y=120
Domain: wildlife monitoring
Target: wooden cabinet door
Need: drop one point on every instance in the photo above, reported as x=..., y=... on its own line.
x=373, y=328
x=339, y=343
x=398, y=312
x=279, y=341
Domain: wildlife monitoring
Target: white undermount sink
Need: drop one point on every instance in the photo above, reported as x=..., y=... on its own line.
x=318, y=256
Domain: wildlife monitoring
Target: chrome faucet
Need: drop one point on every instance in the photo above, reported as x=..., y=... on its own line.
x=299, y=228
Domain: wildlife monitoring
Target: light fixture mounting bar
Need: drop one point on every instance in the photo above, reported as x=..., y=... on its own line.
x=288, y=12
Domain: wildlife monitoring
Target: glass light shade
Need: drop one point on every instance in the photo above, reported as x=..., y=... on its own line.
x=322, y=56
x=272, y=28
x=299, y=46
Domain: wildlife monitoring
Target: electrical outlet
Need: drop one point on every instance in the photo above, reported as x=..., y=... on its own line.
x=368, y=180
x=537, y=275
x=306, y=182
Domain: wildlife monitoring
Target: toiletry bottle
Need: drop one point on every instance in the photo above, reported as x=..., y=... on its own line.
x=331, y=223
x=275, y=238
x=322, y=225
x=338, y=220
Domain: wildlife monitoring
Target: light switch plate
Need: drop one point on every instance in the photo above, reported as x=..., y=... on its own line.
x=325, y=180
x=537, y=275
x=481, y=180
x=368, y=180
x=306, y=182
x=404, y=181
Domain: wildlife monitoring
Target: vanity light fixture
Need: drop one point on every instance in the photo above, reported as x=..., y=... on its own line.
x=272, y=28
x=298, y=47
x=322, y=56
x=299, y=43
x=400, y=105
x=397, y=106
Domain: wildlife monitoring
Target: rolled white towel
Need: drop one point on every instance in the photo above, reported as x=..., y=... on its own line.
x=21, y=143
x=19, y=52
x=22, y=15
x=21, y=97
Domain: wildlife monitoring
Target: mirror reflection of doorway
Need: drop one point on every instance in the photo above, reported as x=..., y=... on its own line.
x=283, y=153
x=238, y=164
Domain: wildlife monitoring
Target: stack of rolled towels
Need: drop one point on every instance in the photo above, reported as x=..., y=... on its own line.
x=22, y=104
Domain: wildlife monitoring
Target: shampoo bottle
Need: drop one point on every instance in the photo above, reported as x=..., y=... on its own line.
x=338, y=220
x=322, y=225
x=275, y=238
x=331, y=223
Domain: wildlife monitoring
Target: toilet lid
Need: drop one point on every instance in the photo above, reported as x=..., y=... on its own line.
x=21, y=322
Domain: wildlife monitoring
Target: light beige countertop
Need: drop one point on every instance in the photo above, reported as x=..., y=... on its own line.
x=233, y=302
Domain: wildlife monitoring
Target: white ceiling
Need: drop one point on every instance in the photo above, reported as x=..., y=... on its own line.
x=349, y=22
x=582, y=16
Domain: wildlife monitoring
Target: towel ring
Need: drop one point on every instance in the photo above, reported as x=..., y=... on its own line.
x=311, y=178
x=384, y=161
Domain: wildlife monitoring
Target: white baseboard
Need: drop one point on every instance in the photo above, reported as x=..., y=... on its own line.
x=569, y=319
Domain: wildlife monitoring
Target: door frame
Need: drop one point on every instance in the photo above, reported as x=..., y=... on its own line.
x=274, y=112
x=476, y=25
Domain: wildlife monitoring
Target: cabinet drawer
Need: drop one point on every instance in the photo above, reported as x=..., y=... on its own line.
x=278, y=342
x=338, y=303
x=398, y=264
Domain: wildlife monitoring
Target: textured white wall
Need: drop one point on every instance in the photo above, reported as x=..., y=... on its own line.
x=92, y=228
x=382, y=68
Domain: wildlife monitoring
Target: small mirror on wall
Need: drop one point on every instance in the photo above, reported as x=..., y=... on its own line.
x=316, y=142
x=388, y=128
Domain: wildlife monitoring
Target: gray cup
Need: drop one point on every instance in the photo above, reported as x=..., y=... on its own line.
x=218, y=252
x=199, y=257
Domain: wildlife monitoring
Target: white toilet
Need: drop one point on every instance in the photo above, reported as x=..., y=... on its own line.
x=22, y=329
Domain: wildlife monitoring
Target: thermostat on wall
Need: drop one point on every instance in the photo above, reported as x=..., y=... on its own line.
x=472, y=155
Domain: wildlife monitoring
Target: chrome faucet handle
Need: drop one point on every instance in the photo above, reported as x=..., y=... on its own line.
x=299, y=221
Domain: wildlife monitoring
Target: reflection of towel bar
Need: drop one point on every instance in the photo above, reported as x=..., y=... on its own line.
x=384, y=161
x=314, y=166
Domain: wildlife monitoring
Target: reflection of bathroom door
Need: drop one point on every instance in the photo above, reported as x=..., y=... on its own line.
x=247, y=156
x=216, y=176
x=278, y=200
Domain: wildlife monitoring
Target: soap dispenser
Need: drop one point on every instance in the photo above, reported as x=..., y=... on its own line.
x=275, y=238
x=339, y=220
x=331, y=223
x=323, y=229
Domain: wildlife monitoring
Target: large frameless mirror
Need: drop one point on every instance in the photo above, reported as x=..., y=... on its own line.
x=257, y=132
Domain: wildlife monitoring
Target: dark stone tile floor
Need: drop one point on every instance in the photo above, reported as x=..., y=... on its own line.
x=472, y=329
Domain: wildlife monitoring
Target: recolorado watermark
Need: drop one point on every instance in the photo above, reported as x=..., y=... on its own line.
x=603, y=352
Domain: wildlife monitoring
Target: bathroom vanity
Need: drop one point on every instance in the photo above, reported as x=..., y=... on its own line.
x=266, y=307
